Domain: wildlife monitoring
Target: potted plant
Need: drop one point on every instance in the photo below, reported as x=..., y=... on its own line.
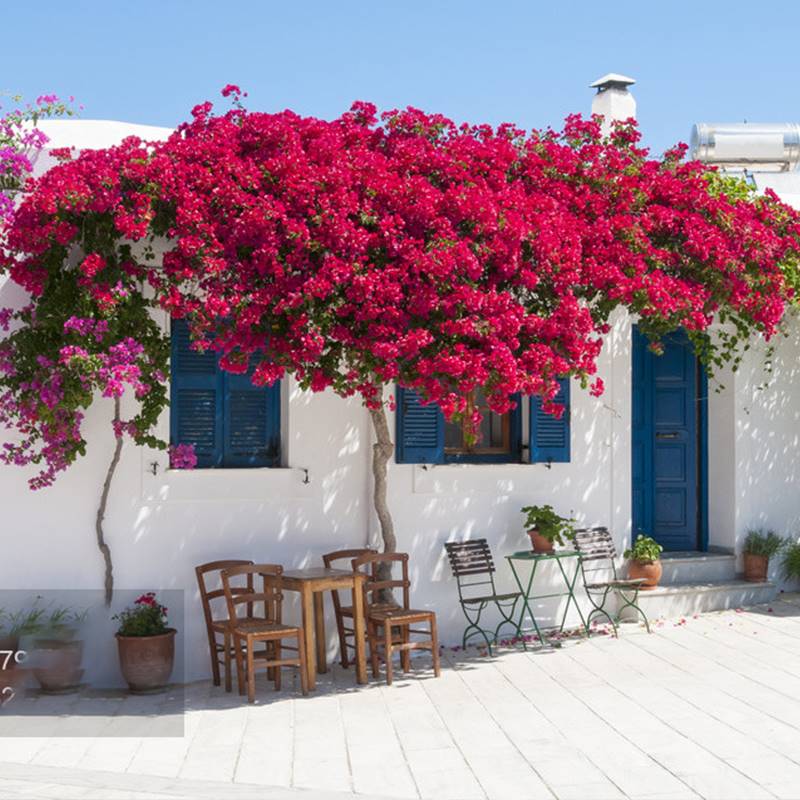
x=545, y=528
x=644, y=561
x=146, y=644
x=759, y=547
x=59, y=651
x=791, y=561
x=21, y=623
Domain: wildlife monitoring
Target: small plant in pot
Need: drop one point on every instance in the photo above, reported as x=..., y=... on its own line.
x=146, y=645
x=546, y=528
x=644, y=561
x=13, y=626
x=791, y=561
x=759, y=547
x=58, y=651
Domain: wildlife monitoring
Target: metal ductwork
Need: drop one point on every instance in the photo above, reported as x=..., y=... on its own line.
x=747, y=145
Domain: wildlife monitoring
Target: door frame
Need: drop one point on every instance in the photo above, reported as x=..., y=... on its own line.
x=701, y=399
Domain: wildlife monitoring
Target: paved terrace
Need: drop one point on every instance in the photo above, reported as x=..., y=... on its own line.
x=708, y=707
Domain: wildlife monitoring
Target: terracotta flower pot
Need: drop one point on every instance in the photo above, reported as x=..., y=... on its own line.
x=539, y=543
x=755, y=568
x=649, y=570
x=146, y=661
x=60, y=664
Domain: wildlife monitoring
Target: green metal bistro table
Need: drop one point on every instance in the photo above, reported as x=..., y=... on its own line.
x=534, y=559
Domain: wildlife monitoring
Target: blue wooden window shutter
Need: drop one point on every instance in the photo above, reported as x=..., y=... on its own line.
x=550, y=437
x=196, y=398
x=251, y=423
x=230, y=422
x=420, y=430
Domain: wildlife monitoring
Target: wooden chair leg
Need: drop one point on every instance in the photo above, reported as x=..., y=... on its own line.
x=405, y=655
x=343, y=657
x=372, y=637
x=301, y=652
x=237, y=651
x=387, y=638
x=435, y=646
x=214, y=659
x=251, y=672
x=228, y=667
x=276, y=671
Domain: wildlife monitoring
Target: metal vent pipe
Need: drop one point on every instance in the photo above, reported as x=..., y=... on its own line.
x=773, y=146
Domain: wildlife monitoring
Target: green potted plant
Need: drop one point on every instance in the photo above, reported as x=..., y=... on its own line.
x=146, y=644
x=23, y=622
x=59, y=651
x=644, y=561
x=791, y=561
x=759, y=547
x=546, y=528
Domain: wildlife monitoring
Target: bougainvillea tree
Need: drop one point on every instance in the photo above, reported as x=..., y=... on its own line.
x=359, y=252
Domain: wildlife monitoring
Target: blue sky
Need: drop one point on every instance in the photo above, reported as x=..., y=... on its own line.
x=523, y=62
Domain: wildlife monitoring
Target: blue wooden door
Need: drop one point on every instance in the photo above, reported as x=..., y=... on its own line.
x=666, y=498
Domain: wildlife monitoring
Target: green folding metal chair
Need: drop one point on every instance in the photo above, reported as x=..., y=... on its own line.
x=598, y=558
x=472, y=566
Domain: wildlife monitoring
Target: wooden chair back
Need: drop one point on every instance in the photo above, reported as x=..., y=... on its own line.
x=330, y=560
x=379, y=570
x=471, y=563
x=270, y=597
x=597, y=551
x=208, y=596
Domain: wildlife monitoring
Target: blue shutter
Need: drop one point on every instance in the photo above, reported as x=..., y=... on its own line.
x=251, y=423
x=195, y=398
x=550, y=437
x=420, y=430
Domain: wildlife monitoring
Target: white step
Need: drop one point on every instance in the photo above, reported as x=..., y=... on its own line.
x=685, y=599
x=695, y=567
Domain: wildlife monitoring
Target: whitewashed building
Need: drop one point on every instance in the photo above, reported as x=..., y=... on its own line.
x=663, y=450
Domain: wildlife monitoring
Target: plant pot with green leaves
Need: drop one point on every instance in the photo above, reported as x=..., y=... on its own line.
x=58, y=650
x=546, y=528
x=146, y=645
x=759, y=547
x=644, y=561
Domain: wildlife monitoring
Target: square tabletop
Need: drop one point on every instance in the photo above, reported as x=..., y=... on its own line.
x=316, y=573
x=530, y=555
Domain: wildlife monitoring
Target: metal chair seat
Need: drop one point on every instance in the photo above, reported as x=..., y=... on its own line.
x=492, y=598
x=620, y=583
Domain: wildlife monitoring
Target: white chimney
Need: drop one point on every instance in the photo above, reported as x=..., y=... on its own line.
x=613, y=100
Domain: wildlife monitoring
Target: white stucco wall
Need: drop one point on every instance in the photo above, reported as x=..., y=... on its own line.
x=162, y=523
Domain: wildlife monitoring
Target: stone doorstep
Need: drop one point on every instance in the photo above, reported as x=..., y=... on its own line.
x=683, y=599
x=694, y=567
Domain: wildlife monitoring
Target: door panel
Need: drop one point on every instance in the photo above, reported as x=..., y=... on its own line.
x=665, y=443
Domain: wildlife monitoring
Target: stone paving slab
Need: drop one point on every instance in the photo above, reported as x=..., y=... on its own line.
x=705, y=707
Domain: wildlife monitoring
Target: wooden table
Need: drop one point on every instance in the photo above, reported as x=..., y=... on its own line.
x=311, y=583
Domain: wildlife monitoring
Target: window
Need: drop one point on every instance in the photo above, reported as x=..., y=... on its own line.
x=230, y=422
x=423, y=436
x=499, y=435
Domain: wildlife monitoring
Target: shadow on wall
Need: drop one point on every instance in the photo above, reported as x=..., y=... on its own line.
x=768, y=438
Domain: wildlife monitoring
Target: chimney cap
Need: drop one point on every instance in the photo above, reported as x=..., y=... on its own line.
x=613, y=80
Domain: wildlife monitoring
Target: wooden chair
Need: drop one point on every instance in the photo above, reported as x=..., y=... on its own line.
x=215, y=626
x=472, y=566
x=243, y=633
x=344, y=612
x=598, y=556
x=394, y=621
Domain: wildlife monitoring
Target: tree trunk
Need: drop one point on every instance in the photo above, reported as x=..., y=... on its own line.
x=382, y=451
x=101, y=510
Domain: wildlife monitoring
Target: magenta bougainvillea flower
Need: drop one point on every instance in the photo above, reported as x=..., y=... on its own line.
x=360, y=251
